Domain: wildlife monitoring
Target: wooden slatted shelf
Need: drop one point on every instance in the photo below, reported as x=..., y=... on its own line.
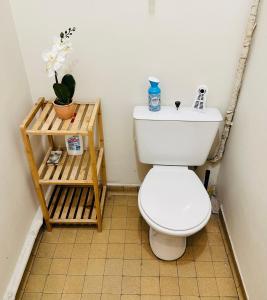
x=74, y=205
x=77, y=197
x=47, y=123
x=71, y=170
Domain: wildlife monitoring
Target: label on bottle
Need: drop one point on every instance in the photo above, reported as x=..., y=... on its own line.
x=74, y=143
x=154, y=102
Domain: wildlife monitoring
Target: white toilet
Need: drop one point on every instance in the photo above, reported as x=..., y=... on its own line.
x=172, y=199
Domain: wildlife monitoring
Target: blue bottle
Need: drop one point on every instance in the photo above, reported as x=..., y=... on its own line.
x=154, y=94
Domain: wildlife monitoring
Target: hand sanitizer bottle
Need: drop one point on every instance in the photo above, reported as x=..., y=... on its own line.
x=74, y=144
x=154, y=94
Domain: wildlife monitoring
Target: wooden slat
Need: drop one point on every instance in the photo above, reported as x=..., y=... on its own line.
x=87, y=117
x=60, y=203
x=82, y=203
x=86, y=214
x=49, y=172
x=60, y=166
x=67, y=203
x=54, y=200
x=73, y=221
x=74, y=203
x=43, y=164
x=84, y=166
x=99, y=160
x=78, y=117
x=42, y=116
x=26, y=122
x=68, y=167
x=49, y=120
x=56, y=124
x=93, y=116
x=76, y=167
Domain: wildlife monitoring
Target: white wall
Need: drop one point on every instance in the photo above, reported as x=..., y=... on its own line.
x=17, y=202
x=242, y=179
x=118, y=44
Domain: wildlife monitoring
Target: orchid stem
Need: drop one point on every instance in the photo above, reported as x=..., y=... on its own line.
x=56, y=76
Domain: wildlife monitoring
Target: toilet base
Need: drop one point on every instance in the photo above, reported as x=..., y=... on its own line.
x=166, y=247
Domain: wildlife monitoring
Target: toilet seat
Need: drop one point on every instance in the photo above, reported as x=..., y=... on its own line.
x=174, y=201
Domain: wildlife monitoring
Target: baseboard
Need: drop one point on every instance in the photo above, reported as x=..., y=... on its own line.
x=230, y=244
x=16, y=277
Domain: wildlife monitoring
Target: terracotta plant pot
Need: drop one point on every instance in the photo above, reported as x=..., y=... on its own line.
x=65, y=112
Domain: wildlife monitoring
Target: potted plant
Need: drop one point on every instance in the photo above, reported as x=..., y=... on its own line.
x=64, y=90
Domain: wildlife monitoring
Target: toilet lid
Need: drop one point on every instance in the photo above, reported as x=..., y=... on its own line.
x=174, y=198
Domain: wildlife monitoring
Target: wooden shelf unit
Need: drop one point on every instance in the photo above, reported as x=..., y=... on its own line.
x=79, y=181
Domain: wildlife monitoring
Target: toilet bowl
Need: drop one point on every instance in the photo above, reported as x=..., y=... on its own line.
x=175, y=204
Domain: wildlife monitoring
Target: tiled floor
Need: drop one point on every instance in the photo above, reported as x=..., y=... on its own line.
x=79, y=263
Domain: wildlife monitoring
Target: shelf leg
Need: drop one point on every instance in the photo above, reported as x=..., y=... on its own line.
x=35, y=177
x=101, y=144
x=95, y=179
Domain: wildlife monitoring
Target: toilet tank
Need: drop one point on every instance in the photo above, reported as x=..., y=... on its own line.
x=175, y=137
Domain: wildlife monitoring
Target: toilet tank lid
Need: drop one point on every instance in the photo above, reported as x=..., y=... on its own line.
x=170, y=113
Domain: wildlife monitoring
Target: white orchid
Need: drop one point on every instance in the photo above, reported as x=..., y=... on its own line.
x=56, y=57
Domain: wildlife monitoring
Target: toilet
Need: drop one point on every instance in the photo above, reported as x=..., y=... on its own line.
x=172, y=199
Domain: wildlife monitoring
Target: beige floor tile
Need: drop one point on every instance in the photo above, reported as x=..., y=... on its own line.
x=202, y=253
x=80, y=251
x=84, y=236
x=188, y=254
x=144, y=237
x=67, y=235
x=100, y=237
x=96, y=266
x=133, y=212
x=31, y=296
x=133, y=224
x=73, y=284
x=118, y=223
x=188, y=286
x=190, y=297
x=46, y=250
x=92, y=284
x=149, y=267
x=51, y=237
x=204, y=269
x=119, y=212
x=106, y=223
x=132, y=267
x=150, y=297
x=71, y=296
x=119, y=200
x=113, y=266
x=51, y=297
x=222, y=269
x=132, y=251
x=169, y=286
x=54, y=284
x=117, y=236
x=213, y=225
x=170, y=297
x=108, y=212
x=133, y=236
x=150, y=286
x=147, y=252
x=77, y=266
x=215, y=239
x=211, y=298
x=207, y=287
x=186, y=268
x=59, y=266
x=41, y=266
x=200, y=238
x=35, y=283
x=226, y=287
x=168, y=268
x=131, y=285
x=98, y=251
x=63, y=251
x=91, y=297
x=218, y=253
x=130, y=297
x=115, y=251
x=132, y=201
x=110, y=297
x=112, y=285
